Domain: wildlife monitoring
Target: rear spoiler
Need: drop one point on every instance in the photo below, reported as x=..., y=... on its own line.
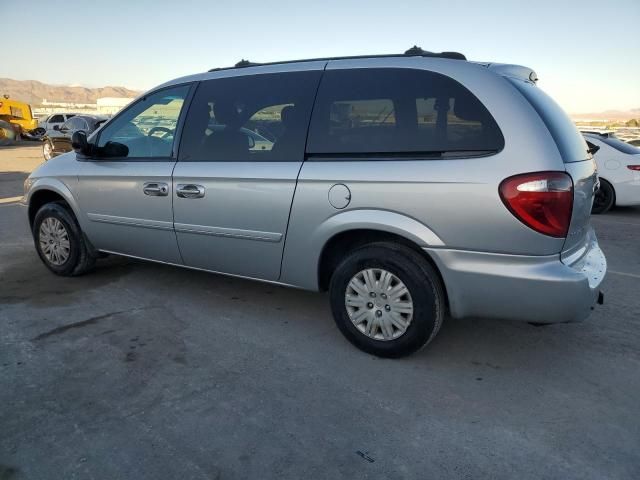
x=513, y=71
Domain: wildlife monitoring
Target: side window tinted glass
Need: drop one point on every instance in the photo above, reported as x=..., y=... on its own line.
x=354, y=122
x=250, y=118
x=399, y=111
x=145, y=130
x=76, y=124
x=56, y=119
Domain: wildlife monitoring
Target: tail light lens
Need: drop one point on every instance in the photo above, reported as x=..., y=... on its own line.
x=542, y=201
x=634, y=167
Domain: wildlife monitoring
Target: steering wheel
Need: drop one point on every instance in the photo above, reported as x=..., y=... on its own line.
x=166, y=130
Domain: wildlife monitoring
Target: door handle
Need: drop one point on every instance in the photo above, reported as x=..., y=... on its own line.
x=155, y=189
x=190, y=190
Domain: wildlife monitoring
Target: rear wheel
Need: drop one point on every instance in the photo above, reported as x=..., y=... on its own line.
x=604, y=198
x=59, y=241
x=387, y=299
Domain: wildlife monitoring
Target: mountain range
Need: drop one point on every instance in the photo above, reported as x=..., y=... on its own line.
x=613, y=115
x=33, y=92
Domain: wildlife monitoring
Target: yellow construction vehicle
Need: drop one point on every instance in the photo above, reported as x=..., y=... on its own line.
x=17, y=113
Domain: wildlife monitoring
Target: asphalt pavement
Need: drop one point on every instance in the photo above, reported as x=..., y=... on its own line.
x=145, y=371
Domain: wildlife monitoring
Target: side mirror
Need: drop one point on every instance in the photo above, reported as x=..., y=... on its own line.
x=79, y=142
x=114, y=150
x=56, y=127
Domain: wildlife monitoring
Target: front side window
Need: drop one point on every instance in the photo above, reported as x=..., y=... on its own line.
x=390, y=111
x=146, y=129
x=56, y=119
x=250, y=118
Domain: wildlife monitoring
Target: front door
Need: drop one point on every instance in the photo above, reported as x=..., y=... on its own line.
x=125, y=188
x=240, y=155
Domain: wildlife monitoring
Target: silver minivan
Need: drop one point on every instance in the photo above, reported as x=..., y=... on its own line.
x=411, y=187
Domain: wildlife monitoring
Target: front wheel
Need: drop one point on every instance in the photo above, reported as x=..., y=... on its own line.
x=59, y=241
x=604, y=199
x=47, y=150
x=387, y=299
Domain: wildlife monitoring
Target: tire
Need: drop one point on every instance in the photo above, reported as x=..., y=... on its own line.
x=425, y=294
x=73, y=256
x=604, y=199
x=7, y=133
x=47, y=150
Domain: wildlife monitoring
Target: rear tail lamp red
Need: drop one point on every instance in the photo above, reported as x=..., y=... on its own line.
x=634, y=167
x=542, y=201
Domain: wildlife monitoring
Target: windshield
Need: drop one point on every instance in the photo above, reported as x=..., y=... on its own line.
x=571, y=144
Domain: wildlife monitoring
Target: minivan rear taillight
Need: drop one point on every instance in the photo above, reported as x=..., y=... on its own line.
x=634, y=167
x=542, y=201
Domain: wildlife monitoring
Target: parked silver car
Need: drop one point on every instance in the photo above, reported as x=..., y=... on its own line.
x=408, y=186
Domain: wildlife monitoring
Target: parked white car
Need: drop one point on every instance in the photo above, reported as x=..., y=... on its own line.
x=50, y=121
x=619, y=171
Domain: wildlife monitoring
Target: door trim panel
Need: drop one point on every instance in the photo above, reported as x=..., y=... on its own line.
x=229, y=232
x=130, y=222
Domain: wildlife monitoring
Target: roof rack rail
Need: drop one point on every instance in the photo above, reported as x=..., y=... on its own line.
x=414, y=51
x=244, y=63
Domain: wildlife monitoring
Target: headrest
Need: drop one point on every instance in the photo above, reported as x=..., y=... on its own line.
x=467, y=107
x=289, y=116
x=226, y=113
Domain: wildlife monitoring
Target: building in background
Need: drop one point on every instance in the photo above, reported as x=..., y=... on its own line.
x=112, y=105
x=103, y=106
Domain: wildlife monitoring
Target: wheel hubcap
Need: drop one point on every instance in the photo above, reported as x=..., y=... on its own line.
x=379, y=304
x=54, y=241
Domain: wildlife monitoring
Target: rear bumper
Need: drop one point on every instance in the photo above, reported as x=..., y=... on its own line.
x=530, y=289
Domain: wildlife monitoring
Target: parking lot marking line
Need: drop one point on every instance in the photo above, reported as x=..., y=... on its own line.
x=10, y=199
x=625, y=274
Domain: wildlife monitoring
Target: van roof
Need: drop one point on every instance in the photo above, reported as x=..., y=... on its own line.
x=414, y=51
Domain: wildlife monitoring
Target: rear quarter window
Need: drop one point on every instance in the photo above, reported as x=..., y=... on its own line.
x=571, y=144
x=399, y=111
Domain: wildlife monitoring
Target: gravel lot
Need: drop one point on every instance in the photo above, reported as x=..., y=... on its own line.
x=150, y=372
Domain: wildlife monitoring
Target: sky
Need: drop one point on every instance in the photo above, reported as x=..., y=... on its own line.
x=586, y=53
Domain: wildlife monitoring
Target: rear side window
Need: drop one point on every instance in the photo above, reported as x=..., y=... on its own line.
x=250, y=118
x=76, y=124
x=389, y=111
x=624, y=147
x=570, y=142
